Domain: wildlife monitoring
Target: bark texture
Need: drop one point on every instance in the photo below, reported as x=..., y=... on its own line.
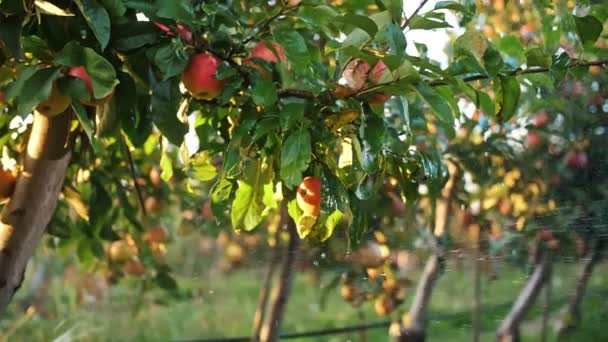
x=278, y=300
x=413, y=325
x=571, y=314
x=509, y=328
x=26, y=216
x=260, y=311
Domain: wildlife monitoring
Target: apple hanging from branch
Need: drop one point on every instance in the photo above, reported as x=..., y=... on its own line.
x=308, y=196
x=199, y=77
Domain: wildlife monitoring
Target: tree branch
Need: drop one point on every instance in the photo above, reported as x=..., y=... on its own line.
x=408, y=20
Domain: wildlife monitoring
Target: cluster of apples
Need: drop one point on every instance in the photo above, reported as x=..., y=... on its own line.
x=359, y=74
x=125, y=252
x=199, y=76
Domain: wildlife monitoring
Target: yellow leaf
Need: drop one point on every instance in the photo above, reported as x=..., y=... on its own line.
x=305, y=224
x=75, y=201
x=46, y=7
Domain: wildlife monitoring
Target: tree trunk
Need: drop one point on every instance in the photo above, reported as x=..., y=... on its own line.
x=544, y=333
x=475, y=319
x=571, y=314
x=412, y=327
x=280, y=294
x=509, y=329
x=260, y=311
x=26, y=216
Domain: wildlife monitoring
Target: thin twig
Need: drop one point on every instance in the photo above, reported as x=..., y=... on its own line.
x=140, y=198
x=407, y=21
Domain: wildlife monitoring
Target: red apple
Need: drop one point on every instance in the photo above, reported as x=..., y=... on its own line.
x=378, y=98
x=81, y=72
x=577, y=160
x=2, y=98
x=541, y=119
x=545, y=234
x=199, y=77
x=56, y=103
x=262, y=51
x=533, y=139
x=356, y=73
x=377, y=72
x=309, y=196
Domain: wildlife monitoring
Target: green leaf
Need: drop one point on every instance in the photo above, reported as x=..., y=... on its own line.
x=492, y=61
x=319, y=16
x=201, y=167
x=395, y=8
x=428, y=21
x=101, y=72
x=471, y=43
x=248, y=204
x=360, y=21
x=536, y=57
x=10, y=33
x=507, y=90
x=396, y=41
x=180, y=11
x=36, y=89
x=87, y=125
x=294, y=45
x=49, y=8
x=589, y=29
x=291, y=114
x=295, y=157
x=129, y=35
x=166, y=165
x=170, y=60
x=264, y=93
x=438, y=104
x=451, y=5
x=511, y=46
x=115, y=8
x=330, y=225
x=97, y=18
x=371, y=137
x=163, y=109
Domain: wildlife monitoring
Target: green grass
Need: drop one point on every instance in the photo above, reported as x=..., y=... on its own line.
x=223, y=306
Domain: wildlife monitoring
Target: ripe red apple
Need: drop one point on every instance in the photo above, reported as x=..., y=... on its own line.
x=262, y=51
x=533, y=139
x=541, y=119
x=356, y=74
x=57, y=103
x=577, y=160
x=359, y=72
x=81, y=72
x=384, y=305
x=545, y=234
x=199, y=77
x=309, y=196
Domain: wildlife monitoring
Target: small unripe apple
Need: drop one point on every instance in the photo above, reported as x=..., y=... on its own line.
x=541, y=119
x=384, y=305
x=152, y=204
x=81, y=72
x=134, y=268
x=309, y=196
x=57, y=103
x=199, y=77
x=348, y=292
x=120, y=251
x=155, y=235
x=154, y=176
x=7, y=184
